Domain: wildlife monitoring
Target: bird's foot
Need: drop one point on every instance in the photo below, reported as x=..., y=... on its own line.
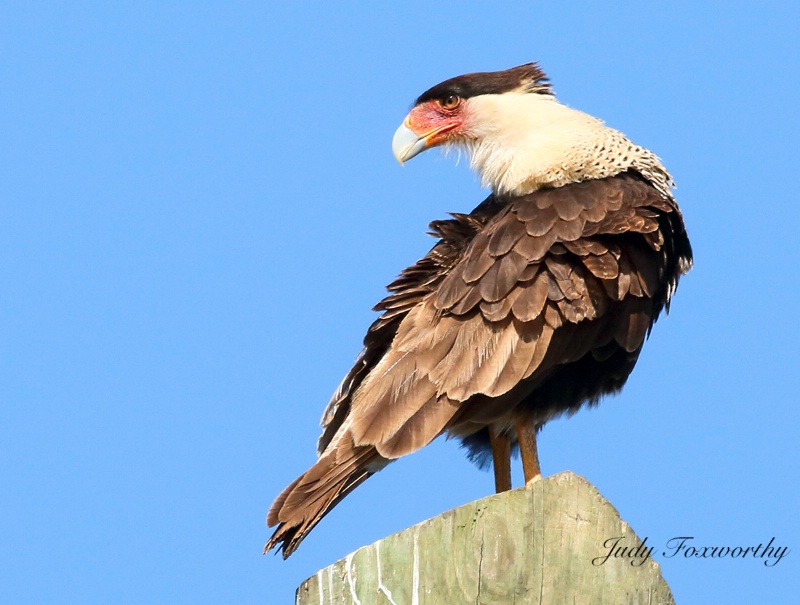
x=533, y=480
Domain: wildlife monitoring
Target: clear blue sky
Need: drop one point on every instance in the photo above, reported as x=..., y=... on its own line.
x=199, y=207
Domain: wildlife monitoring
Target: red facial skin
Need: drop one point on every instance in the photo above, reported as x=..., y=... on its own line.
x=437, y=121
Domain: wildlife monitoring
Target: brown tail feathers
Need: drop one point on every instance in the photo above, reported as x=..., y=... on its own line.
x=313, y=494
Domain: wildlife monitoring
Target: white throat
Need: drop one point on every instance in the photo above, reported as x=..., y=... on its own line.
x=521, y=142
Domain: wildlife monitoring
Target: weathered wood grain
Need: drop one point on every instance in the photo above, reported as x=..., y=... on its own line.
x=530, y=545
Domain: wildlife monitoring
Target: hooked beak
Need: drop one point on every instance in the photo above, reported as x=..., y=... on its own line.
x=406, y=143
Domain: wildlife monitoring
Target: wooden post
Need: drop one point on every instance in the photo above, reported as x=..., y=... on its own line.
x=542, y=544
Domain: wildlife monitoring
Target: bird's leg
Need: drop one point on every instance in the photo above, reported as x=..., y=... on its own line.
x=501, y=460
x=526, y=435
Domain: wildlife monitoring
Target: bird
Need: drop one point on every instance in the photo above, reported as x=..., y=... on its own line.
x=531, y=306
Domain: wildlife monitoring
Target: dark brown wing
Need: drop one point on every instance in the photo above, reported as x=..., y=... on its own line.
x=531, y=305
x=343, y=465
x=407, y=291
x=553, y=277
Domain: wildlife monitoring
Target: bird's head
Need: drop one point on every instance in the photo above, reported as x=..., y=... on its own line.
x=518, y=136
x=451, y=112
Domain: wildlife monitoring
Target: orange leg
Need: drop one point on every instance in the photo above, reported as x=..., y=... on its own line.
x=526, y=435
x=501, y=458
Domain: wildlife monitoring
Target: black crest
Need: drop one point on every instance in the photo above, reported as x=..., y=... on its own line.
x=525, y=78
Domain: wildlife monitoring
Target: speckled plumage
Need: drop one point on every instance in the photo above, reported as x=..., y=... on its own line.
x=529, y=141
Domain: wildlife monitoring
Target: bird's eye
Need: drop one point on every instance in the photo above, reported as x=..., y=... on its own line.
x=450, y=101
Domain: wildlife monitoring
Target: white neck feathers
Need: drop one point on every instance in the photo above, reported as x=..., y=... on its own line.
x=520, y=142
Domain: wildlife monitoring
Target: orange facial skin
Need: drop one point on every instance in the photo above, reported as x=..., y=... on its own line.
x=429, y=124
x=435, y=120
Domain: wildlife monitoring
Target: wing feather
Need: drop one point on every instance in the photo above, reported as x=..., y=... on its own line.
x=531, y=270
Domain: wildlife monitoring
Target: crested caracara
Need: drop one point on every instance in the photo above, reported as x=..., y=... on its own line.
x=533, y=305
